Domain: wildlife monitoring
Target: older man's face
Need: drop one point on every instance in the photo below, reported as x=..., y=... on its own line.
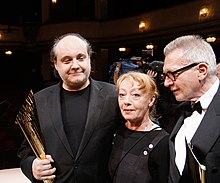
x=186, y=82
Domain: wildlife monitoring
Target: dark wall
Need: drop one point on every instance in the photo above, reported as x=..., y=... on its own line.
x=19, y=73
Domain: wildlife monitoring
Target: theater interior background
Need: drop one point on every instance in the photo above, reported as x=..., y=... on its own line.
x=28, y=28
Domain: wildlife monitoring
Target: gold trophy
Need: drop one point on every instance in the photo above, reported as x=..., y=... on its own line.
x=199, y=170
x=28, y=121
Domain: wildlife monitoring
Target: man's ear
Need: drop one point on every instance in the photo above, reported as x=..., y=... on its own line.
x=203, y=70
x=55, y=64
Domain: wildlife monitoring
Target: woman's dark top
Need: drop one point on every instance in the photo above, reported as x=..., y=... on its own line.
x=139, y=157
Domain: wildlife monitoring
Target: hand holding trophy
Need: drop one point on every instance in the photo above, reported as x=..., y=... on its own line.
x=27, y=119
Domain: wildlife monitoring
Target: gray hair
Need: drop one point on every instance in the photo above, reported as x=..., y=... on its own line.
x=195, y=49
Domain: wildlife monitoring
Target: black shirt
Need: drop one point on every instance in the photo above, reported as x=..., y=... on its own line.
x=74, y=106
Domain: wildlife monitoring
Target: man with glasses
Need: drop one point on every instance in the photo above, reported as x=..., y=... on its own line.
x=190, y=73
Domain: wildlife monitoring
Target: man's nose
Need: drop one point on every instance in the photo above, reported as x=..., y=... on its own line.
x=167, y=82
x=74, y=64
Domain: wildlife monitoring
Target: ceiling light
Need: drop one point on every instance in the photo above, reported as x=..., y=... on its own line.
x=211, y=39
x=150, y=46
x=204, y=12
x=122, y=49
x=54, y=1
x=143, y=25
x=8, y=52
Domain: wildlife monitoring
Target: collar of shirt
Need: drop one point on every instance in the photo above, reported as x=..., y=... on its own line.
x=208, y=96
x=192, y=122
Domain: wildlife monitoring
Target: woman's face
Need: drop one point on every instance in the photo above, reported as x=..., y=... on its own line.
x=133, y=102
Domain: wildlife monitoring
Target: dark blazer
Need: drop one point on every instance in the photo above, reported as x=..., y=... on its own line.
x=90, y=163
x=206, y=143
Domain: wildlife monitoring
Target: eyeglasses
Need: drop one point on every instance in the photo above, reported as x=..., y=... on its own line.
x=173, y=75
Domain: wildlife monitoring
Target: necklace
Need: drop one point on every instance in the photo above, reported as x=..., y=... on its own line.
x=143, y=127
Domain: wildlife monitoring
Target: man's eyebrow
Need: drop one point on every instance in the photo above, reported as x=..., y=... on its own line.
x=65, y=57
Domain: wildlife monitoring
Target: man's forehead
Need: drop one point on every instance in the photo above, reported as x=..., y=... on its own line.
x=71, y=40
x=70, y=44
x=174, y=59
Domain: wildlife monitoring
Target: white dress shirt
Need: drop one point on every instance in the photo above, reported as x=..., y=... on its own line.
x=190, y=125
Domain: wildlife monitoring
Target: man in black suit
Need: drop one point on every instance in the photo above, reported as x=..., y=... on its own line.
x=190, y=70
x=78, y=118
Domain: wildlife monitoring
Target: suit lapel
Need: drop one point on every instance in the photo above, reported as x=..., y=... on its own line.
x=54, y=107
x=96, y=103
x=210, y=121
x=174, y=172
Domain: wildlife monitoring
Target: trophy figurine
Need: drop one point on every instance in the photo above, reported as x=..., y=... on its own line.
x=197, y=169
x=27, y=120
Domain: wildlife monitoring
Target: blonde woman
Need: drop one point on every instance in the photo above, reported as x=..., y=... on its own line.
x=140, y=151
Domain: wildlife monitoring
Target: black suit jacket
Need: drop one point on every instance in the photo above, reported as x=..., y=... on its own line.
x=206, y=143
x=90, y=163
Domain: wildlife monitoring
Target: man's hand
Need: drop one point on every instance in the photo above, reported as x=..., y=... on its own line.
x=42, y=168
